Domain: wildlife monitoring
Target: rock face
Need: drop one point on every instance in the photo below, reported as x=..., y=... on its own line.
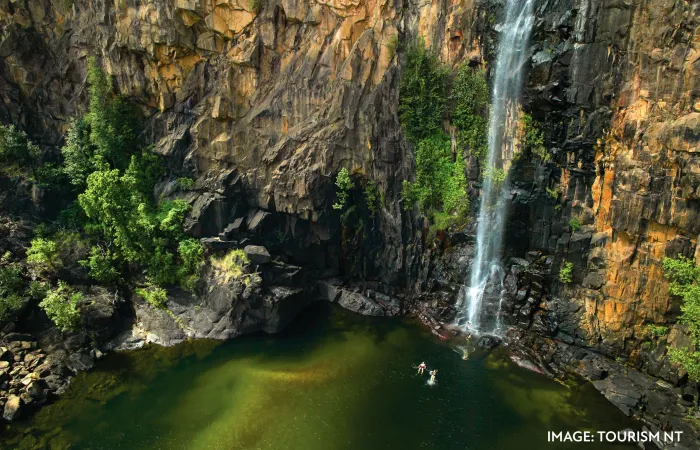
x=264, y=106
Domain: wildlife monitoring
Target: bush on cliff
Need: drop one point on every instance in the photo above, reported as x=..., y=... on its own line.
x=440, y=186
x=422, y=93
x=684, y=275
x=18, y=155
x=62, y=306
x=470, y=95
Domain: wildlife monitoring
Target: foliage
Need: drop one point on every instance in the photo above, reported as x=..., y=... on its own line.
x=657, y=330
x=111, y=120
x=422, y=93
x=534, y=138
x=11, y=287
x=471, y=97
x=344, y=183
x=78, y=152
x=256, y=6
x=154, y=295
x=62, y=306
x=192, y=256
x=231, y=264
x=495, y=174
x=372, y=197
x=684, y=275
x=18, y=155
x=440, y=182
x=553, y=193
x=566, y=272
x=43, y=255
x=186, y=184
x=101, y=265
x=575, y=224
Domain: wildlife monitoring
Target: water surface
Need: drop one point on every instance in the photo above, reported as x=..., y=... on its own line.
x=333, y=380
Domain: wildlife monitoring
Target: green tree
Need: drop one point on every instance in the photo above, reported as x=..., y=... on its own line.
x=62, y=306
x=78, y=154
x=111, y=120
x=11, y=287
x=422, y=93
x=191, y=254
x=344, y=183
x=154, y=295
x=684, y=275
x=44, y=256
x=470, y=95
x=18, y=155
x=101, y=265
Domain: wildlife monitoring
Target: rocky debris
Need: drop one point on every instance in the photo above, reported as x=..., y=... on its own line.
x=356, y=302
x=29, y=377
x=216, y=243
x=257, y=254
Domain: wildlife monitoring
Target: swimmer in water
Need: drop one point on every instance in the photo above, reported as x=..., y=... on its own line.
x=421, y=368
x=432, y=375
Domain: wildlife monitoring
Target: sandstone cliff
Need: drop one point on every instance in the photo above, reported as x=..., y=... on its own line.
x=264, y=102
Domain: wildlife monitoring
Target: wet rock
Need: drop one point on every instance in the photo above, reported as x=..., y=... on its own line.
x=80, y=361
x=257, y=254
x=13, y=408
x=488, y=342
x=360, y=304
x=329, y=290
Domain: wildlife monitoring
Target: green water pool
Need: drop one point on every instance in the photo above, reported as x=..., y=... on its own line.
x=332, y=380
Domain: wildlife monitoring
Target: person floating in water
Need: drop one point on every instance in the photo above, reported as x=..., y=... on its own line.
x=421, y=368
x=433, y=373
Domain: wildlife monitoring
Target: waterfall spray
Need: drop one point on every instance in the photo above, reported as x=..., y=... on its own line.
x=507, y=84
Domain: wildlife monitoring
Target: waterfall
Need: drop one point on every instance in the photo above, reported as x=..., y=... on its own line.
x=486, y=271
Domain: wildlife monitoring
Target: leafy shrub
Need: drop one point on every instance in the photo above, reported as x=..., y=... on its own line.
x=422, y=93
x=11, y=287
x=230, y=266
x=101, y=265
x=154, y=295
x=685, y=282
x=566, y=272
x=575, y=224
x=62, y=306
x=372, y=197
x=471, y=98
x=192, y=256
x=43, y=255
x=657, y=330
x=344, y=183
x=185, y=184
x=440, y=182
x=534, y=138
x=18, y=155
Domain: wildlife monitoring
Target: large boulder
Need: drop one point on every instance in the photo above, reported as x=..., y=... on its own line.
x=356, y=302
x=257, y=254
x=13, y=408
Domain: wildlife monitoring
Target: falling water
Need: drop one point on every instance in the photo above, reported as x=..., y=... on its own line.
x=507, y=83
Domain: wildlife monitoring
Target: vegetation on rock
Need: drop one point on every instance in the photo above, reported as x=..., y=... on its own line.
x=534, y=138
x=566, y=273
x=61, y=306
x=440, y=186
x=344, y=183
x=575, y=224
x=684, y=275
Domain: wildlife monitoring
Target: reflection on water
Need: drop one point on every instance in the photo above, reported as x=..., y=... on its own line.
x=333, y=380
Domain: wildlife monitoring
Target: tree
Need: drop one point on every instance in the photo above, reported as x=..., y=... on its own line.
x=344, y=183
x=685, y=282
x=471, y=98
x=43, y=255
x=61, y=306
x=422, y=93
x=18, y=155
